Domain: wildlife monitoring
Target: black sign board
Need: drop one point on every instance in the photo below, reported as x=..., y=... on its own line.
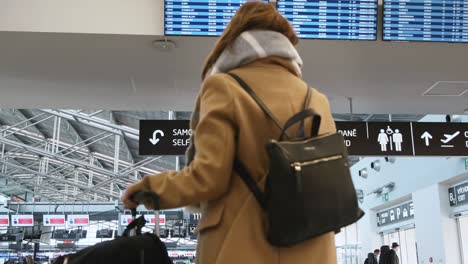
x=405, y=138
x=8, y=238
x=395, y=214
x=173, y=215
x=164, y=137
x=191, y=231
x=458, y=195
x=440, y=139
x=172, y=137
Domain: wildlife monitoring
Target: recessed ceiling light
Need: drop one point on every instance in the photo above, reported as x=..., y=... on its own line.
x=164, y=44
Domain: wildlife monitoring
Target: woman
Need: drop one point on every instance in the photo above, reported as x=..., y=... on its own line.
x=258, y=45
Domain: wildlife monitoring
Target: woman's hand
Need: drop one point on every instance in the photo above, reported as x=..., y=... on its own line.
x=126, y=197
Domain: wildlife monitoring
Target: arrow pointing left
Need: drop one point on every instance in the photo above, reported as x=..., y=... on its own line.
x=154, y=140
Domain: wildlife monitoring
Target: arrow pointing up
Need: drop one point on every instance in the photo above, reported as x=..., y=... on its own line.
x=427, y=137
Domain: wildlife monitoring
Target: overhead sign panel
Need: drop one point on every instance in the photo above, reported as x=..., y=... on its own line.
x=396, y=214
x=344, y=19
x=405, y=138
x=172, y=137
x=458, y=194
x=164, y=137
x=441, y=139
x=53, y=220
x=428, y=20
x=22, y=220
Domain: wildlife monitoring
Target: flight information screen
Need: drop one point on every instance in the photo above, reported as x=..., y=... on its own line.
x=423, y=20
x=199, y=17
x=337, y=19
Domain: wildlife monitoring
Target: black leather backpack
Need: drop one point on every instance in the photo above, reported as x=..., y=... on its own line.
x=309, y=190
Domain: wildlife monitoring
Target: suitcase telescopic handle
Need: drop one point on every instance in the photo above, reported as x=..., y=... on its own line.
x=145, y=196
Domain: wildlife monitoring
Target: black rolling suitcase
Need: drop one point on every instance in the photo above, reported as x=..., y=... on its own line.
x=132, y=247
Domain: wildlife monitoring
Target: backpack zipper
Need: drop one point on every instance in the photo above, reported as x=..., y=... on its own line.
x=298, y=168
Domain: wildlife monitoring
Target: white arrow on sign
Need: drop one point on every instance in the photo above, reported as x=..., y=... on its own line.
x=155, y=139
x=427, y=137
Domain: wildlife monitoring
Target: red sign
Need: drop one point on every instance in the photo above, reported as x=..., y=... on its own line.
x=4, y=221
x=57, y=221
x=25, y=221
x=81, y=221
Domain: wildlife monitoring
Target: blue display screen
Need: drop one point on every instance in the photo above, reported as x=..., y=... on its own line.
x=198, y=17
x=422, y=20
x=346, y=20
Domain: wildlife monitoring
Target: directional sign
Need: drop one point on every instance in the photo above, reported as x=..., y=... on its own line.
x=172, y=137
x=440, y=139
x=458, y=194
x=164, y=137
x=53, y=220
x=405, y=139
x=4, y=220
x=22, y=220
x=395, y=214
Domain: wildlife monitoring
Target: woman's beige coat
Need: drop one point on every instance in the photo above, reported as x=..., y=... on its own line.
x=230, y=125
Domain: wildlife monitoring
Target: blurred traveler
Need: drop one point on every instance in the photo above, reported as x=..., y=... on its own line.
x=384, y=252
x=377, y=253
x=258, y=45
x=393, y=255
x=371, y=259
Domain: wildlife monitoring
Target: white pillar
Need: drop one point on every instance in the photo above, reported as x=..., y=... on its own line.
x=436, y=232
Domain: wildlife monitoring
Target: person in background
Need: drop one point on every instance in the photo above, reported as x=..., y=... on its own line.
x=259, y=46
x=393, y=255
x=384, y=251
x=371, y=259
x=377, y=253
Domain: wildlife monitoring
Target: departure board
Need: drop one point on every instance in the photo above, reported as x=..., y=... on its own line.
x=199, y=17
x=423, y=20
x=338, y=19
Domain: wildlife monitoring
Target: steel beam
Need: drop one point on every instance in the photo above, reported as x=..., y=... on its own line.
x=58, y=157
x=95, y=122
x=83, y=187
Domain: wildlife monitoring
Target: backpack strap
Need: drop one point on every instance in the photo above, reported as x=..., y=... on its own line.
x=250, y=182
x=300, y=117
x=260, y=103
x=301, y=132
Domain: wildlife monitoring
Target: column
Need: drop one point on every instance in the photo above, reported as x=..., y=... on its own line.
x=436, y=232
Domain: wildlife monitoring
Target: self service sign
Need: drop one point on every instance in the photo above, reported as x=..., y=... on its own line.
x=164, y=137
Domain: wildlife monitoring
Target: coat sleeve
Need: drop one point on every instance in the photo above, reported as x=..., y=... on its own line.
x=208, y=175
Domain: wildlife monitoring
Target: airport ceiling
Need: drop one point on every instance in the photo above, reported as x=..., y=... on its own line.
x=113, y=72
x=70, y=155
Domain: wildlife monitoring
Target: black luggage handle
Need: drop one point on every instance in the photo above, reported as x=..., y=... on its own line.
x=145, y=196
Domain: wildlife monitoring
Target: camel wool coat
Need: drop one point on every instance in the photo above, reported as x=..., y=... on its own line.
x=230, y=125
